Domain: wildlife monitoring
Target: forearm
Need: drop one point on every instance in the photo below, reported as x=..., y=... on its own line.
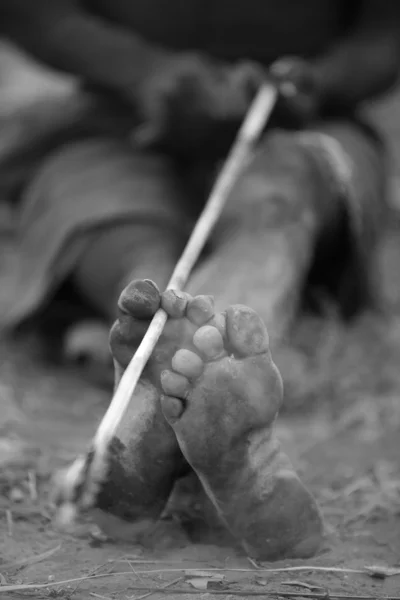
x=366, y=63
x=61, y=34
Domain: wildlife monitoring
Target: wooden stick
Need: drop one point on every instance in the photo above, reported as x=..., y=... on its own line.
x=248, y=134
x=77, y=486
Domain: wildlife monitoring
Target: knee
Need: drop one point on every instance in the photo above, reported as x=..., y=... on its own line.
x=283, y=152
x=279, y=183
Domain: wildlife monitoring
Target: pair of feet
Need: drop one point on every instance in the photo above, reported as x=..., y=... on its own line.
x=207, y=402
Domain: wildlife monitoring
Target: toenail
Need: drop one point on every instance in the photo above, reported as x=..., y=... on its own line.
x=140, y=297
x=152, y=284
x=174, y=384
x=246, y=331
x=200, y=309
x=209, y=341
x=187, y=363
x=174, y=302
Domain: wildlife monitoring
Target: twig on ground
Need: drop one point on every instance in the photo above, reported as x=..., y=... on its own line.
x=31, y=560
x=250, y=593
x=10, y=522
x=260, y=568
x=32, y=486
x=143, y=561
x=308, y=586
x=253, y=562
x=92, y=572
x=41, y=586
x=364, y=571
x=134, y=572
x=159, y=589
x=333, y=596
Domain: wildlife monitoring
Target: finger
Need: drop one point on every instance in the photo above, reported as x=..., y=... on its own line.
x=283, y=67
x=288, y=89
x=154, y=113
x=147, y=135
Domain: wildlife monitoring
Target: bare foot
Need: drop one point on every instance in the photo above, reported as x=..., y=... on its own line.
x=222, y=397
x=144, y=457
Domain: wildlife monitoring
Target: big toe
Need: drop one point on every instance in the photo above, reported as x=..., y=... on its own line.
x=245, y=331
x=140, y=299
x=137, y=304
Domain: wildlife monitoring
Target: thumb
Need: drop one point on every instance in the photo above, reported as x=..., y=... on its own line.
x=153, y=127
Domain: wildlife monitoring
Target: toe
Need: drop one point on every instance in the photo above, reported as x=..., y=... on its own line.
x=125, y=337
x=174, y=384
x=187, y=363
x=246, y=331
x=174, y=303
x=172, y=408
x=200, y=309
x=219, y=322
x=140, y=299
x=209, y=342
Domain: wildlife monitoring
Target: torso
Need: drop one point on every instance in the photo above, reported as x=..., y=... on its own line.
x=233, y=29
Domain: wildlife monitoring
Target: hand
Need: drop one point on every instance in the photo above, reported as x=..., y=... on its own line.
x=186, y=101
x=300, y=97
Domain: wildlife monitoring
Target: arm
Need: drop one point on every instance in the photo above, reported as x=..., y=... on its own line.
x=61, y=34
x=366, y=63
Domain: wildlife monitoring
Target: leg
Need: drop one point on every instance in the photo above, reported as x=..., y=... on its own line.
x=354, y=159
x=145, y=458
x=121, y=253
x=265, y=239
x=102, y=214
x=147, y=246
x=222, y=397
x=287, y=202
x=221, y=401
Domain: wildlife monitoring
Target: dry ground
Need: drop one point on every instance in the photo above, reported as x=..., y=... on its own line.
x=346, y=446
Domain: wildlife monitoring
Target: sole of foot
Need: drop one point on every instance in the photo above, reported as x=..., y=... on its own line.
x=221, y=396
x=144, y=459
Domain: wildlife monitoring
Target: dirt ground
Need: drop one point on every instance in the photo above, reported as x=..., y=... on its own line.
x=341, y=427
